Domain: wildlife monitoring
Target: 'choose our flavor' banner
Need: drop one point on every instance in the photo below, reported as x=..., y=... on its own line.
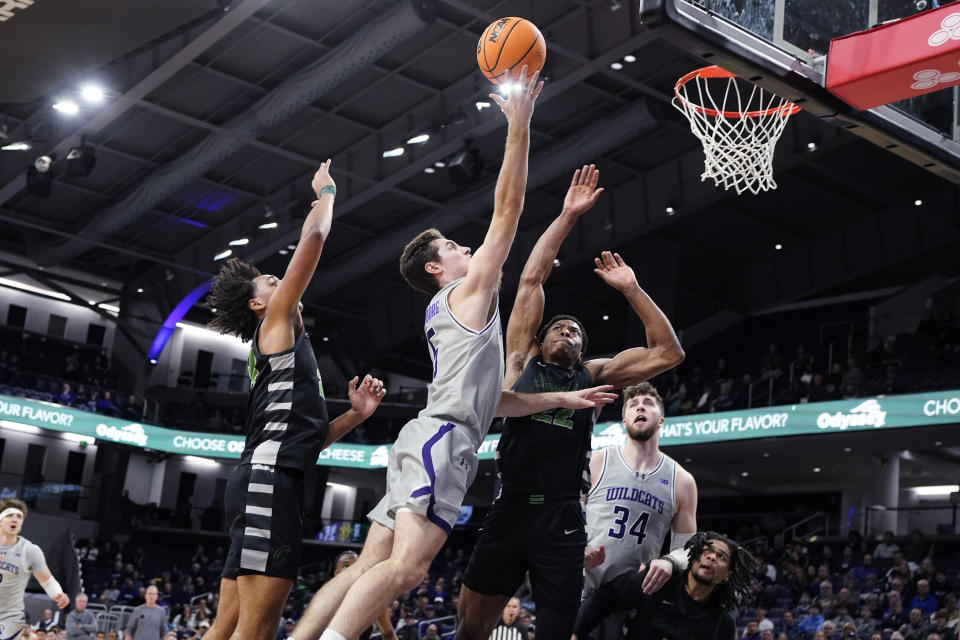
x=823, y=418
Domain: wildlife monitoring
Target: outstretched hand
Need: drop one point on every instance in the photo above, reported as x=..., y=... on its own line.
x=588, y=398
x=365, y=397
x=322, y=178
x=614, y=271
x=583, y=191
x=518, y=105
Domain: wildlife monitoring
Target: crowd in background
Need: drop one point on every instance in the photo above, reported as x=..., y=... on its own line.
x=898, y=588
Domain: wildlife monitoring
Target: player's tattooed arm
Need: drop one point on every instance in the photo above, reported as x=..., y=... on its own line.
x=663, y=350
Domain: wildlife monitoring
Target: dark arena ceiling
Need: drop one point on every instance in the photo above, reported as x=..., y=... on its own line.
x=217, y=114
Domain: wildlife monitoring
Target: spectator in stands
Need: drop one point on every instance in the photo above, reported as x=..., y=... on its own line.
x=916, y=628
x=106, y=406
x=813, y=620
x=751, y=631
x=66, y=397
x=407, y=626
x=763, y=622
x=865, y=622
x=432, y=632
x=81, y=624
x=849, y=631
x=941, y=625
x=100, y=635
x=110, y=594
x=918, y=548
x=818, y=391
x=887, y=548
x=865, y=568
x=676, y=395
x=826, y=598
x=923, y=600
x=789, y=626
x=186, y=620
x=47, y=620
x=830, y=631
x=766, y=634
x=851, y=383
x=771, y=364
x=81, y=396
x=841, y=616
x=147, y=621
x=894, y=617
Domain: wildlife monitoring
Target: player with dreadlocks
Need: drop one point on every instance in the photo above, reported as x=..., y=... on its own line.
x=697, y=604
x=286, y=428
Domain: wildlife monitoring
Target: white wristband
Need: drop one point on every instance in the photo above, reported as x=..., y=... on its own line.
x=679, y=558
x=52, y=587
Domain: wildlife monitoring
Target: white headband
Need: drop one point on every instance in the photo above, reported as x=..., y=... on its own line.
x=9, y=511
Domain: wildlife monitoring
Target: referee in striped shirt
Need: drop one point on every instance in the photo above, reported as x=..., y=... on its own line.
x=509, y=627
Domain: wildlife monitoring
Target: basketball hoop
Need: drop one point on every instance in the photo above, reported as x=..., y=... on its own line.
x=738, y=134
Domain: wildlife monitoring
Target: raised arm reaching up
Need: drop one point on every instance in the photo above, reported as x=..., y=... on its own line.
x=527, y=311
x=474, y=300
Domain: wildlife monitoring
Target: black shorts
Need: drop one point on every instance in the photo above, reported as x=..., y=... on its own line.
x=545, y=539
x=264, y=507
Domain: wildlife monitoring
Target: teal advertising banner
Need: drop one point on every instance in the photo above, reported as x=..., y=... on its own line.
x=823, y=418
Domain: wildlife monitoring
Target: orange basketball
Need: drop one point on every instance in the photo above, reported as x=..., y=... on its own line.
x=510, y=43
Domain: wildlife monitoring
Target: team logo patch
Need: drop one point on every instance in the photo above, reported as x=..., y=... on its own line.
x=281, y=555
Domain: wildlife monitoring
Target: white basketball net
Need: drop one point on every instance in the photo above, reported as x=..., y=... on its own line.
x=738, y=132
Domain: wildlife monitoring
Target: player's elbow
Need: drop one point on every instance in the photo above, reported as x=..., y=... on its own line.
x=508, y=206
x=675, y=355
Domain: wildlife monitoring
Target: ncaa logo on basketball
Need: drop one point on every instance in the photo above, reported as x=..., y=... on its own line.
x=865, y=414
x=497, y=28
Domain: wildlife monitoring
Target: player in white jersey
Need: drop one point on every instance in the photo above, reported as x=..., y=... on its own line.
x=19, y=559
x=637, y=494
x=434, y=458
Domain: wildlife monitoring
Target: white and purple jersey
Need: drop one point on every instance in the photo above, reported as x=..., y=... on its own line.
x=17, y=563
x=434, y=459
x=629, y=513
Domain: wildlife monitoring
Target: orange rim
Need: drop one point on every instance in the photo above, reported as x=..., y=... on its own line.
x=784, y=110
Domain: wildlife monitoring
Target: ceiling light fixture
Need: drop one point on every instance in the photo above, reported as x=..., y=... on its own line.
x=393, y=153
x=91, y=93
x=239, y=242
x=670, y=210
x=283, y=252
x=419, y=139
x=482, y=104
x=16, y=146
x=68, y=107
x=917, y=203
x=616, y=66
x=629, y=58
x=223, y=254
x=778, y=246
x=556, y=262
x=429, y=170
x=816, y=469
x=811, y=146
x=936, y=490
x=268, y=225
x=606, y=317
x=139, y=289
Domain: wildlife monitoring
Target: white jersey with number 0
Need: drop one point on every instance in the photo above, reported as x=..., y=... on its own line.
x=17, y=564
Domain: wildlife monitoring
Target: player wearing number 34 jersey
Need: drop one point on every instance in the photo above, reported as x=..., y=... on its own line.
x=638, y=494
